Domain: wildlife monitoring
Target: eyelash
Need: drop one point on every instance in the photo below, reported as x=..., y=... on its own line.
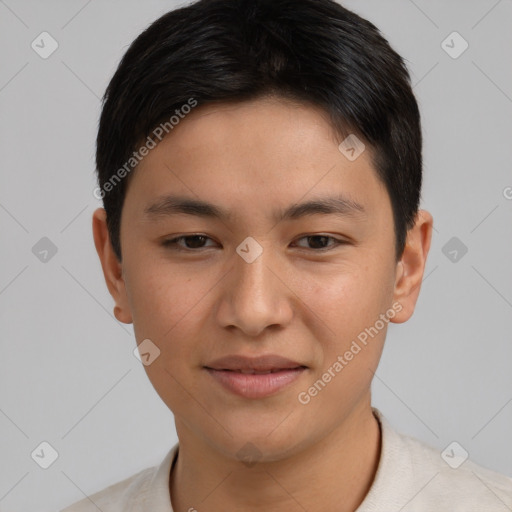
x=173, y=243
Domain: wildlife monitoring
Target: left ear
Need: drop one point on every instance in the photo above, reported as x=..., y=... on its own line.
x=411, y=267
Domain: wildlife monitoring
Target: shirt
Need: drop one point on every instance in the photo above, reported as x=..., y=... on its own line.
x=411, y=477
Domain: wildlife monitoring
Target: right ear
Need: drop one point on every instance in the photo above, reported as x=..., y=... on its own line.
x=112, y=267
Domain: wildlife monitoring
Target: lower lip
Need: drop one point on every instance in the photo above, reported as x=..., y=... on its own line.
x=252, y=385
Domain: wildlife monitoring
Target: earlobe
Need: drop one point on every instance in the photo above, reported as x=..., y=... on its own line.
x=121, y=316
x=411, y=267
x=112, y=267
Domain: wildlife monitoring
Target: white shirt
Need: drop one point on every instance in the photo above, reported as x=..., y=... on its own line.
x=411, y=477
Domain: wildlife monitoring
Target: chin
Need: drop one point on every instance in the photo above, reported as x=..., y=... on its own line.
x=264, y=444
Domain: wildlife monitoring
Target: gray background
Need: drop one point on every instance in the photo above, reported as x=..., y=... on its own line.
x=67, y=372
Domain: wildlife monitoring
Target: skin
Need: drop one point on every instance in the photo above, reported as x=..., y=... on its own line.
x=294, y=300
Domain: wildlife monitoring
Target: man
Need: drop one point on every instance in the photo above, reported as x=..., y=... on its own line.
x=260, y=166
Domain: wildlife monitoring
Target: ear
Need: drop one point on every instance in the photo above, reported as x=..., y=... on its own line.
x=112, y=267
x=411, y=267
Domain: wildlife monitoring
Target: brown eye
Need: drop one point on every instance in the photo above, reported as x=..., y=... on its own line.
x=321, y=242
x=191, y=242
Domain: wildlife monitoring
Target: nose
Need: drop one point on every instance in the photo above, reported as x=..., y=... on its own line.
x=255, y=296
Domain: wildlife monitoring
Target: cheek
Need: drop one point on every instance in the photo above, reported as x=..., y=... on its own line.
x=347, y=297
x=164, y=301
x=167, y=307
x=350, y=303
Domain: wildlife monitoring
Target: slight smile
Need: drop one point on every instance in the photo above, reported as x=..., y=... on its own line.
x=255, y=377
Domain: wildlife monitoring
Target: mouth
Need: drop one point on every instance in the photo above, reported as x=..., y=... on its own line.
x=255, y=377
x=257, y=372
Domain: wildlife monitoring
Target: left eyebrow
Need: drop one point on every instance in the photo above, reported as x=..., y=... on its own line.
x=339, y=206
x=174, y=205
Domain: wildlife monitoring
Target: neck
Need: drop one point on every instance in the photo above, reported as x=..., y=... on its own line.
x=335, y=473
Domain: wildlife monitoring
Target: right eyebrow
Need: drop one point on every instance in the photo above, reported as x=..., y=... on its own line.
x=174, y=205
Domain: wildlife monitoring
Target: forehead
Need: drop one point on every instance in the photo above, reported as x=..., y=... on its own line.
x=263, y=126
x=257, y=153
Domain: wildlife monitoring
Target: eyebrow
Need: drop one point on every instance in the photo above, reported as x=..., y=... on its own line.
x=170, y=205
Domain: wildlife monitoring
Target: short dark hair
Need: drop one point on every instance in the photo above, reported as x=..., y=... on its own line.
x=312, y=51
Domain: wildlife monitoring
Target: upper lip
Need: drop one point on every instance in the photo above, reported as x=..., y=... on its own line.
x=257, y=364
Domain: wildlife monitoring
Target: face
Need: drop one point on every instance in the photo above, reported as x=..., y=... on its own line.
x=287, y=266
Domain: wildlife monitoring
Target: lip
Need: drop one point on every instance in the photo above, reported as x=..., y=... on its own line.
x=255, y=377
